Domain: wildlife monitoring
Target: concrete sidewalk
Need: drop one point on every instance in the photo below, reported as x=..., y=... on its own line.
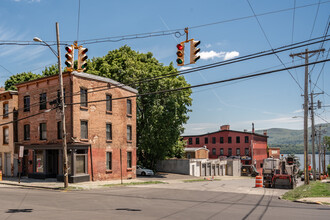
x=52, y=183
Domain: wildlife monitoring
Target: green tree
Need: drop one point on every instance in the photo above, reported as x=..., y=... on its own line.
x=51, y=70
x=19, y=78
x=160, y=117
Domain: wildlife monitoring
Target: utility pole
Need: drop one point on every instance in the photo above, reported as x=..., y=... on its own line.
x=319, y=150
x=65, y=152
x=305, y=55
x=313, y=135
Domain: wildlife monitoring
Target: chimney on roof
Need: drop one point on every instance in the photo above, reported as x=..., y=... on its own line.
x=265, y=132
x=224, y=127
x=252, y=127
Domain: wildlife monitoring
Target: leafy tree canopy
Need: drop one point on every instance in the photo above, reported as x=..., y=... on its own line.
x=19, y=78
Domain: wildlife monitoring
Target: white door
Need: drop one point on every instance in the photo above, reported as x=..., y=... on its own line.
x=7, y=164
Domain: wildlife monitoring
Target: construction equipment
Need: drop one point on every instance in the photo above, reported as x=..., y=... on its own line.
x=280, y=173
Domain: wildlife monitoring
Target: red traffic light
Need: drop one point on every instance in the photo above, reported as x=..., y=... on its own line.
x=179, y=46
x=69, y=49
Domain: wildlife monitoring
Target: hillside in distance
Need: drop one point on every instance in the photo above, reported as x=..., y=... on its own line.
x=291, y=141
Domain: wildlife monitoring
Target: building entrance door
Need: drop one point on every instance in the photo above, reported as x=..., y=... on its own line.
x=51, y=163
x=7, y=164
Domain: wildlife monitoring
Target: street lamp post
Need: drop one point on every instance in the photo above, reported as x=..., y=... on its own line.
x=62, y=107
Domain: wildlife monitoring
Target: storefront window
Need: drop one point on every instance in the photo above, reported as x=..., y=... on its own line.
x=69, y=163
x=39, y=161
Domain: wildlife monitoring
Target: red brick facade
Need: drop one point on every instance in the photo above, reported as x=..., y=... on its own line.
x=87, y=152
x=225, y=142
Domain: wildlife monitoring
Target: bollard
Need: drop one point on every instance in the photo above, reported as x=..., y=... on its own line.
x=0, y=175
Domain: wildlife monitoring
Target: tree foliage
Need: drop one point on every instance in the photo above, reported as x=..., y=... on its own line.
x=160, y=117
x=19, y=78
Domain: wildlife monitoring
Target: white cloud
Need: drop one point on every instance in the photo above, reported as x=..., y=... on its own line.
x=231, y=55
x=298, y=111
x=206, y=55
x=185, y=68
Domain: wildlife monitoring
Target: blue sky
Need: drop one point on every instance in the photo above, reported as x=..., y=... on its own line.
x=268, y=101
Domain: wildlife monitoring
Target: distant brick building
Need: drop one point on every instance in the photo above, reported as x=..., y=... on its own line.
x=274, y=152
x=100, y=125
x=8, y=107
x=249, y=146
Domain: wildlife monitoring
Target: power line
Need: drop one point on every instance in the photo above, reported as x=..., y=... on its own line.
x=175, y=32
x=204, y=67
x=78, y=21
x=206, y=84
x=263, y=31
x=180, y=88
x=317, y=12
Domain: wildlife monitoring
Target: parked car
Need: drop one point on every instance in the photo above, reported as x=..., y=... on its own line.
x=140, y=170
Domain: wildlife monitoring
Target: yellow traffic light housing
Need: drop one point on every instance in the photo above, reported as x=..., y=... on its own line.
x=82, y=57
x=194, y=51
x=180, y=54
x=69, y=58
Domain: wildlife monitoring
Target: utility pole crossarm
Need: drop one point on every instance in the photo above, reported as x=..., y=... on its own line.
x=307, y=52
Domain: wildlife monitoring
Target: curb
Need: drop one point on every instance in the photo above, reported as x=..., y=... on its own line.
x=30, y=186
x=308, y=202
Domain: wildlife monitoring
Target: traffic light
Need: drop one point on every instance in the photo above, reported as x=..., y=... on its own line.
x=69, y=57
x=319, y=104
x=82, y=57
x=194, y=51
x=180, y=54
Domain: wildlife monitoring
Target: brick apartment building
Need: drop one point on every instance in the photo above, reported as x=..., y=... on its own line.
x=249, y=146
x=101, y=135
x=8, y=107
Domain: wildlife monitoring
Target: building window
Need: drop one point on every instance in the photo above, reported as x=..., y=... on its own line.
x=26, y=103
x=109, y=160
x=26, y=132
x=129, y=106
x=129, y=159
x=221, y=140
x=238, y=139
x=109, y=131
x=221, y=151
x=246, y=151
x=83, y=97
x=238, y=151
x=197, y=140
x=5, y=110
x=206, y=140
x=5, y=135
x=109, y=103
x=246, y=139
x=261, y=165
x=214, y=151
x=43, y=101
x=213, y=140
x=84, y=130
x=59, y=130
x=129, y=133
x=39, y=161
x=80, y=163
x=229, y=151
x=43, y=131
x=229, y=140
x=190, y=141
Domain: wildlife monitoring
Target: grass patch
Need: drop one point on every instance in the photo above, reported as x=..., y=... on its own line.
x=199, y=180
x=314, y=189
x=135, y=183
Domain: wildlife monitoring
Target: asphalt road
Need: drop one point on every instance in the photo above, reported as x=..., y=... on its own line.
x=197, y=200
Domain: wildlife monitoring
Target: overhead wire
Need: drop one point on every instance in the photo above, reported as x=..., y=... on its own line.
x=264, y=33
x=181, y=88
x=204, y=67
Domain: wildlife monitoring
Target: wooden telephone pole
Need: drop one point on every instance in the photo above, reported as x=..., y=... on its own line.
x=306, y=55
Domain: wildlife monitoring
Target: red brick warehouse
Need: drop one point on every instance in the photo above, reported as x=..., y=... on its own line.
x=101, y=135
x=249, y=146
